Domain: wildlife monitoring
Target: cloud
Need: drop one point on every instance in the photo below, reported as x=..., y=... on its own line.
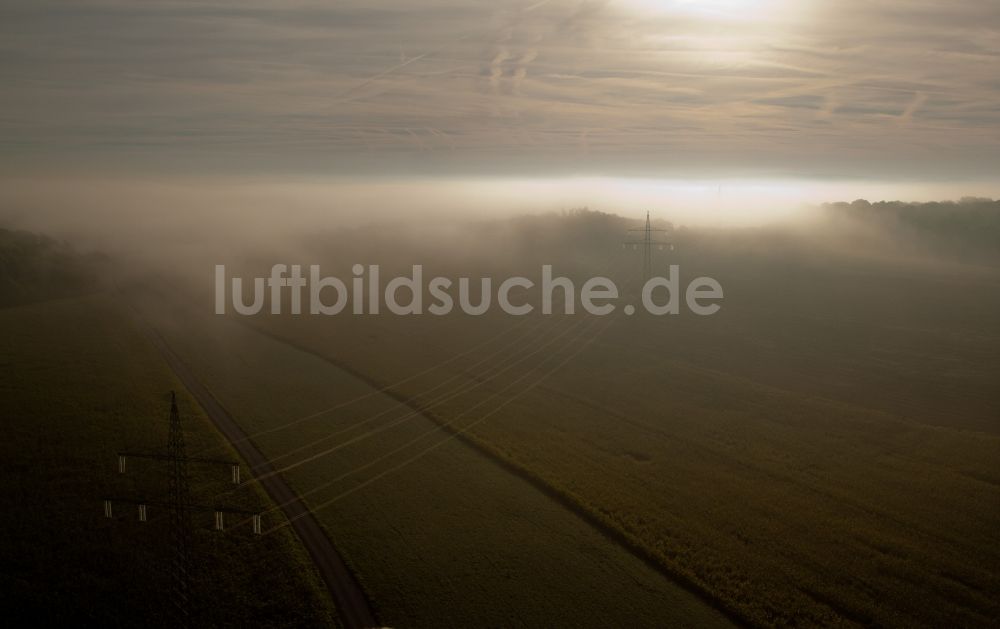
x=827, y=88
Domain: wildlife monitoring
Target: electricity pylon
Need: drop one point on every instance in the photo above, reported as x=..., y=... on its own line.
x=647, y=244
x=180, y=498
x=180, y=506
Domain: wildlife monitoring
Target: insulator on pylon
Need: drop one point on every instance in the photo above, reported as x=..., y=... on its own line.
x=142, y=513
x=256, y=523
x=236, y=474
x=219, y=522
x=107, y=509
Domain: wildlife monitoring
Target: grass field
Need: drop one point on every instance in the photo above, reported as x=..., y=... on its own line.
x=79, y=383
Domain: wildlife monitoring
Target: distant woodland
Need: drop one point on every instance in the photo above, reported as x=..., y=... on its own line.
x=34, y=267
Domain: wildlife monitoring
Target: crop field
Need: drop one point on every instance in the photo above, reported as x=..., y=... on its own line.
x=449, y=538
x=824, y=451
x=80, y=383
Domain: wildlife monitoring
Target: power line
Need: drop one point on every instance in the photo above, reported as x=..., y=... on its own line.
x=387, y=388
x=384, y=388
x=424, y=406
x=448, y=426
x=453, y=431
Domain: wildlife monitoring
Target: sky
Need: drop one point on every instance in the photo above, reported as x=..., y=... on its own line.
x=827, y=96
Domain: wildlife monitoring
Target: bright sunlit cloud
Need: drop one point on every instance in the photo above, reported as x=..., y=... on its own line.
x=725, y=9
x=810, y=89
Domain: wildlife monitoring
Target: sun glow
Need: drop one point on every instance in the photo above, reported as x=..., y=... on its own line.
x=711, y=9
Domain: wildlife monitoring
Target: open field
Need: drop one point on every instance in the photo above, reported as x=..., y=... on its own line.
x=454, y=539
x=81, y=382
x=824, y=451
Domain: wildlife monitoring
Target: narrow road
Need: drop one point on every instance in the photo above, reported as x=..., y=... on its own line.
x=353, y=607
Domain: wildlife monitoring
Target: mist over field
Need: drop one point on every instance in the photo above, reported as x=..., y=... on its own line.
x=851, y=366
x=540, y=313
x=181, y=219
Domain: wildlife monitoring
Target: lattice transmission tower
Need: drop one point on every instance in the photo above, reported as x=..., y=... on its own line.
x=647, y=242
x=180, y=506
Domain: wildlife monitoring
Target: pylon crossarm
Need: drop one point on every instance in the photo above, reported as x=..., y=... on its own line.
x=167, y=457
x=168, y=505
x=230, y=510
